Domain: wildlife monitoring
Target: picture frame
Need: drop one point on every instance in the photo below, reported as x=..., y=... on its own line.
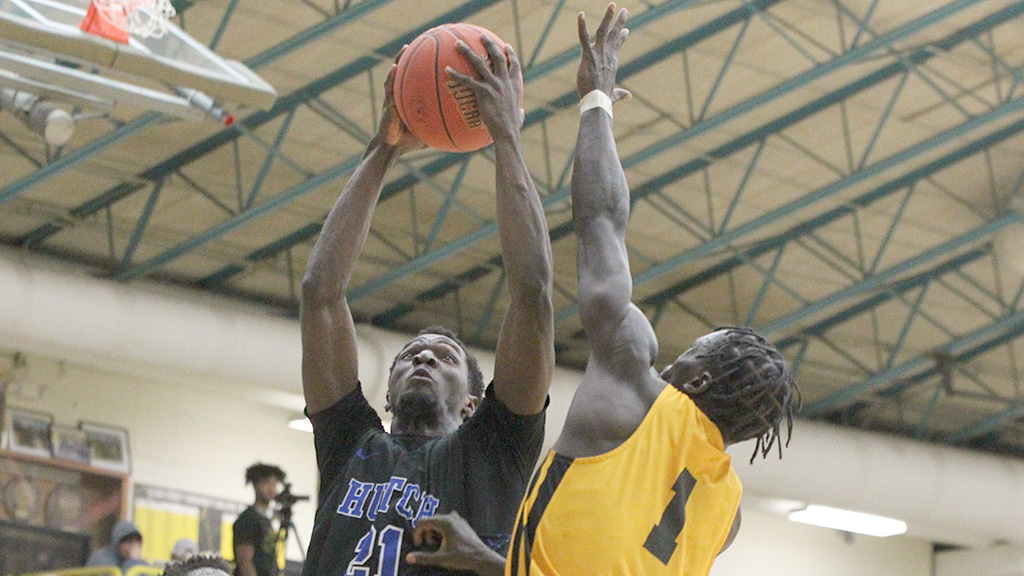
x=28, y=548
x=108, y=446
x=69, y=444
x=28, y=431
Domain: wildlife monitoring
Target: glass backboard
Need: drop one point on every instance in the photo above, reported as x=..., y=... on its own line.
x=40, y=38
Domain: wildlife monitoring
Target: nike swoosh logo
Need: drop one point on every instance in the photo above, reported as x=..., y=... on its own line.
x=363, y=455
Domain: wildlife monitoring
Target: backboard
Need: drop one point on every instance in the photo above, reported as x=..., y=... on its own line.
x=43, y=51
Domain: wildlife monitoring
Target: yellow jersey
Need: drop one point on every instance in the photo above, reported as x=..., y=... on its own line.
x=662, y=503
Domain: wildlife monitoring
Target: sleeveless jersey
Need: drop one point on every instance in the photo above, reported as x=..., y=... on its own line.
x=662, y=503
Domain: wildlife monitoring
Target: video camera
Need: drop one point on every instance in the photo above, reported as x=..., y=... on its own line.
x=286, y=499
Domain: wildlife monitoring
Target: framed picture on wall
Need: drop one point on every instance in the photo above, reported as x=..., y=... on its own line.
x=69, y=444
x=28, y=431
x=25, y=548
x=108, y=446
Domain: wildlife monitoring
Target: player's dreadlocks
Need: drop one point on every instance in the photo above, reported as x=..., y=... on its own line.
x=259, y=471
x=750, y=392
x=202, y=565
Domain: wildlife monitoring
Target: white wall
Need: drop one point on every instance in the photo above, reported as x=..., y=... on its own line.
x=202, y=405
x=768, y=545
x=199, y=435
x=191, y=435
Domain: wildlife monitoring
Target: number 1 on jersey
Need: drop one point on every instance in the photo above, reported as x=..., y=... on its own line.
x=661, y=541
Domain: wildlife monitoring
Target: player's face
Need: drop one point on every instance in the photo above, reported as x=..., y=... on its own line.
x=430, y=370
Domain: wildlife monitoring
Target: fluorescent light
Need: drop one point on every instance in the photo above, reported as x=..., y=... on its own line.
x=302, y=424
x=848, y=521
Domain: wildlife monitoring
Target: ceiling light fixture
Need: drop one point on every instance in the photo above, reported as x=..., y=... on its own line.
x=848, y=521
x=42, y=116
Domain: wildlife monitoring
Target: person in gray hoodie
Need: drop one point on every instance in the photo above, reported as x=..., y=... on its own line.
x=124, y=550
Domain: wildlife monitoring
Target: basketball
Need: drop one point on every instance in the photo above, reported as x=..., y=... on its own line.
x=439, y=111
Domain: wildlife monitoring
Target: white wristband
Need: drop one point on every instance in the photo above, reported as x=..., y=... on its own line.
x=596, y=99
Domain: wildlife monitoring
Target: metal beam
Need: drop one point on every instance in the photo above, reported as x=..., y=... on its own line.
x=835, y=214
x=895, y=290
x=878, y=281
x=857, y=54
x=267, y=251
x=919, y=56
x=79, y=155
x=625, y=71
x=960, y=358
x=1010, y=322
x=232, y=223
x=986, y=425
x=306, y=93
x=152, y=118
x=724, y=239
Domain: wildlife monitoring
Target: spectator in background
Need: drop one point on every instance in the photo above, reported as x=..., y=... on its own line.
x=255, y=539
x=124, y=550
x=184, y=549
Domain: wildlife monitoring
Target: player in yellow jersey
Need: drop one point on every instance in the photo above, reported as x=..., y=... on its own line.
x=638, y=482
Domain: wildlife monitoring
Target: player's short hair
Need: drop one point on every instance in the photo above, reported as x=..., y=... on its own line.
x=476, y=377
x=751, y=389
x=259, y=471
x=201, y=565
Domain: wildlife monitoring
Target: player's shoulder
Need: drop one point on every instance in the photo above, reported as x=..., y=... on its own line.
x=607, y=410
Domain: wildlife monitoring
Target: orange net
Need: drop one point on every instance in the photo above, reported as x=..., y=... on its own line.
x=108, y=23
x=116, y=19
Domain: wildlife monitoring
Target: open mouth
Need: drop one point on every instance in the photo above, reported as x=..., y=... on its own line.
x=421, y=375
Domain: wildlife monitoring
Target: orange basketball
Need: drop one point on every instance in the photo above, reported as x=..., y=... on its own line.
x=439, y=111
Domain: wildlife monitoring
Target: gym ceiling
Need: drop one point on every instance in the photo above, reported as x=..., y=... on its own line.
x=842, y=175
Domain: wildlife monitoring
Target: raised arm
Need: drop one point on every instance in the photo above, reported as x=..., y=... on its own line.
x=329, y=364
x=620, y=337
x=525, y=354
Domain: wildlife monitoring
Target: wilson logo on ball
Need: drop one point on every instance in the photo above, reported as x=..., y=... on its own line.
x=467, y=104
x=439, y=111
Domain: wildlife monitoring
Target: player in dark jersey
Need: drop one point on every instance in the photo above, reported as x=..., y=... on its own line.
x=452, y=446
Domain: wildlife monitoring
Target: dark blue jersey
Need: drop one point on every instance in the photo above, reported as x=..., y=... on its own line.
x=374, y=486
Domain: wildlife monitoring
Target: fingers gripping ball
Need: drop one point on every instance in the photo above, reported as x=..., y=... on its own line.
x=438, y=110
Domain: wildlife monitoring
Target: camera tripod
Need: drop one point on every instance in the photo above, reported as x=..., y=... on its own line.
x=286, y=499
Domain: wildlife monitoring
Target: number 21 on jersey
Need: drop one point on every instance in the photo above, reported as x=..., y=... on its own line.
x=389, y=542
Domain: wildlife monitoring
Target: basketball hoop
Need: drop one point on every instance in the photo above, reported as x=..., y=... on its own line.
x=115, y=19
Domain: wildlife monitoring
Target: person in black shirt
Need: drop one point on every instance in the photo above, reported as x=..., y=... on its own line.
x=255, y=540
x=452, y=446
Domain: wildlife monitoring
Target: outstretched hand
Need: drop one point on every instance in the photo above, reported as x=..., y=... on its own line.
x=499, y=91
x=391, y=130
x=599, y=60
x=458, y=546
